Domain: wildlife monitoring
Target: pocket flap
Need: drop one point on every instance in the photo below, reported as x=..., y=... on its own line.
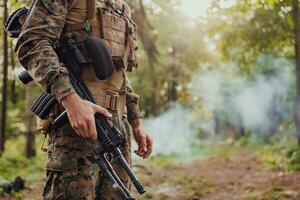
x=60, y=162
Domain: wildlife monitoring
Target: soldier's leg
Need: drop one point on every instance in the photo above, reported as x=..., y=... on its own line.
x=76, y=184
x=70, y=175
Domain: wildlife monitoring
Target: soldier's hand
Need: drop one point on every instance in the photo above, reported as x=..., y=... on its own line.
x=81, y=115
x=143, y=140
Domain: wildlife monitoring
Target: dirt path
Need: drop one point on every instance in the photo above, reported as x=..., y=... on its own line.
x=240, y=177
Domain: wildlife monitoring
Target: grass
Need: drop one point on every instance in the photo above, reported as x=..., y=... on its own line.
x=165, y=161
x=13, y=162
x=194, y=186
x=283, y=154
x=275, y=192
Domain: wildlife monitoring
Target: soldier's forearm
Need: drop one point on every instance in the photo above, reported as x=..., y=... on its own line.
x=137, y=122
x=133, y=112
x=36, y=43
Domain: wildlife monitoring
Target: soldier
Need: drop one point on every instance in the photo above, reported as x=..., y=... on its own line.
x=70, y=175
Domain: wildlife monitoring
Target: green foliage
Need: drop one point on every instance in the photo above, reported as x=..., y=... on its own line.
x=165, y=161
x=250, y=29
x=281, y=152
x=196, y=187
x=275, y=192
x=293, y=157
x=178, y=58
x=13, y=162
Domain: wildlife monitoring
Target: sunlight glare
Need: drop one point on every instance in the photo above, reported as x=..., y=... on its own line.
x=198, y=8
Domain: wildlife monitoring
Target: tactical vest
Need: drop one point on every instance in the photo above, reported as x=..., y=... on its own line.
x=111, y=21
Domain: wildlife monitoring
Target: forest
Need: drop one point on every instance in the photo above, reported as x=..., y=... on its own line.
x=219, y=87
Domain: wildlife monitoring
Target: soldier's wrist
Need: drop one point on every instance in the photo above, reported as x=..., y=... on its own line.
x=62, y=87
x=69, y=100
x=136, y=122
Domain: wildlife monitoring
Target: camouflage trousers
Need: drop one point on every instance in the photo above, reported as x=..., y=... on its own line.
x=71, y=176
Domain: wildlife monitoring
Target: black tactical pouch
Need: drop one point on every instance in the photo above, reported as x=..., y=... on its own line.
x=100, y=57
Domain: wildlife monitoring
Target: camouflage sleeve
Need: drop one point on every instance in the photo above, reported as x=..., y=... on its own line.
x=35, y=47
x=133, y=110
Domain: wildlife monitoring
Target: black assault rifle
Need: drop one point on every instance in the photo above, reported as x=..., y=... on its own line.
x=109, y=136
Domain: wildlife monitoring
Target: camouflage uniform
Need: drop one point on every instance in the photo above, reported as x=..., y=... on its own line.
x=70, y=175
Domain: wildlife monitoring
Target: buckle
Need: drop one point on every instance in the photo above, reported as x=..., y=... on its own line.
x=88, y=26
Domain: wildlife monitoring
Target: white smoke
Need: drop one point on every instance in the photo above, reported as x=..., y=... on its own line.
x=172, y=131
x=253, y=103
x=247, y=100
x=242, y=100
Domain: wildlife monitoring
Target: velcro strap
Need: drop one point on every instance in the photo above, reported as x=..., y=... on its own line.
x=111, y=101
x=80, y=26
x=90, y=4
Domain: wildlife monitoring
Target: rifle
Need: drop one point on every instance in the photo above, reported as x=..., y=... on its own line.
x=109, y=136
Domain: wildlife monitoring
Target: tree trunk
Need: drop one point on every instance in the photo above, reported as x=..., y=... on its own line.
x=176, y=75
x=30, y=135
x=174, y=96
x=297, y=54
x=239, y=128
x=13, y=96
x=218, y=128
x=4, y=84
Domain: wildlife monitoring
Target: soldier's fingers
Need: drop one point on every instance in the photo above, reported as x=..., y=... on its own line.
x=84, y=132
x=83, y=128
x=143, y=145
x=149, y=147
x=92, y=129
x=140, y=146
x=138, y=153
x=80, y=132
x=77, y=128
x=103, y=111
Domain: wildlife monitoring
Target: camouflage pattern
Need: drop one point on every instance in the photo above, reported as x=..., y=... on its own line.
x=39, y=35
x=70, y=175
x=133, y=110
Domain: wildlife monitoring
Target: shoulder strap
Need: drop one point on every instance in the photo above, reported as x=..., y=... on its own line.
x=90, y=9
x=89, y=25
